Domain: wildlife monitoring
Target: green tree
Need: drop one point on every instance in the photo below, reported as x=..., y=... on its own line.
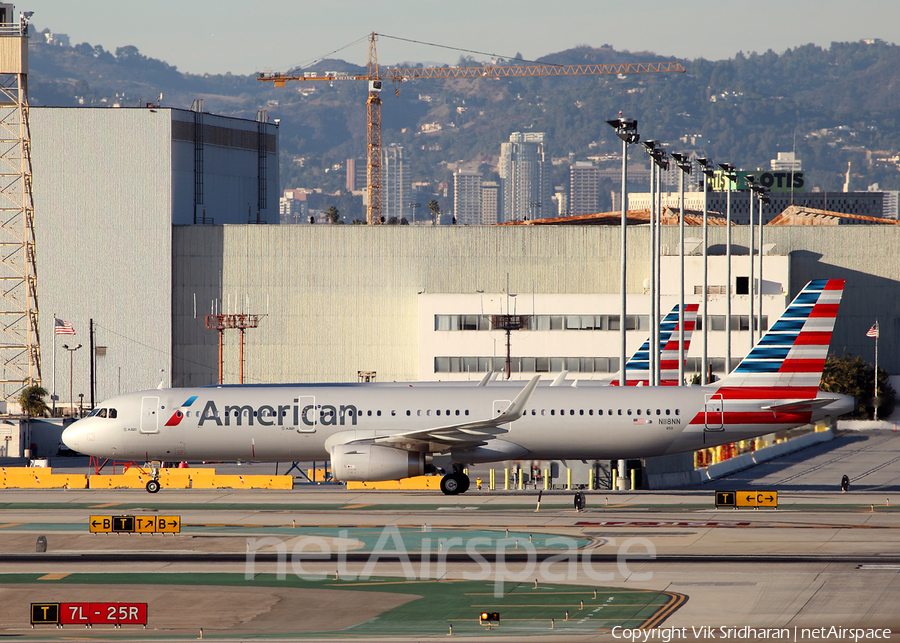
x=32, y=401
x=333, y=215
x=435, y=211
x=854, y=376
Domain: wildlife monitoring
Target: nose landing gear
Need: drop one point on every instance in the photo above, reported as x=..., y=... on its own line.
x=153, y=483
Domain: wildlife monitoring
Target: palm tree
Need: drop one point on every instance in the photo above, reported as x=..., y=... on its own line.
x=32, y=401
x=435, y=211
x=332, y=214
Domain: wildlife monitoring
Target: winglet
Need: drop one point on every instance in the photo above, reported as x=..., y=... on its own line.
x=515, y=408
x=487, y=378
x=560, y=379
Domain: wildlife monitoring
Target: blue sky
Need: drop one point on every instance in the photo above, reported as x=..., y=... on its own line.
x=217, y=36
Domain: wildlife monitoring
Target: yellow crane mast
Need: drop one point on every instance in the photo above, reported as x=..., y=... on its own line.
x=376, y=77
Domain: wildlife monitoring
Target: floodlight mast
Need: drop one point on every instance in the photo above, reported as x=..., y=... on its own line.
x=685, y=165
x=730, y=176
x=708, y=170
x=626, y=130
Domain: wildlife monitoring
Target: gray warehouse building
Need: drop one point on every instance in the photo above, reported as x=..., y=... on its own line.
x=109, y=185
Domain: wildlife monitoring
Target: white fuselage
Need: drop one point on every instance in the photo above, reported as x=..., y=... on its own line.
x=301, y=422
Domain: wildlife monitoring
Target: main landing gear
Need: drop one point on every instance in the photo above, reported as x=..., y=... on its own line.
x=455, y=483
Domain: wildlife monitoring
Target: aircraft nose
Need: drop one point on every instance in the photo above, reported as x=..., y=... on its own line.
x=75, y=436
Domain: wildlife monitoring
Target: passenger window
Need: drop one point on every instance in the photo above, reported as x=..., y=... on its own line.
x=419, y=412
x=102, y=413
x=428, y=412
x=657, y=411
x=620, y=411
x=467, y=411
x=448, y=411
x=408, y=413
x=533, y=412
x=638, y=411
x=648, y=412
x=552, y=411
x=580, y=411
x=590, y=411
x=543, y=411
x=369, y=413
x=677, y=412
x=629, y=411
x=571, y=411
x=393, y=413
x=378, y=413
x=457, y=411
x=667, y=411
x=438, y=411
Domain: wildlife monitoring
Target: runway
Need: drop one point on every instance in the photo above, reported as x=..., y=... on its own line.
x=393, y=565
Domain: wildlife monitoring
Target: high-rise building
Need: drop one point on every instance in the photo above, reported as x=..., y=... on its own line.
x=356, y=175
x=786, y=162
x=524, y=177
x=490, y=202
x=467, y=197
x=584, y=188
x=396, y=183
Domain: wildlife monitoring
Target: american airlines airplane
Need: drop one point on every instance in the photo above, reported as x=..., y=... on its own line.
x=372, y=433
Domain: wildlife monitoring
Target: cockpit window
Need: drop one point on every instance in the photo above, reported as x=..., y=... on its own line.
x=113, y=414
x=93, y=413
x=102, y=413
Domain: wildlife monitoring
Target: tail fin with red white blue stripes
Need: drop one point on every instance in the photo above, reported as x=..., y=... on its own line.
x=792, y=352
x=637, y=369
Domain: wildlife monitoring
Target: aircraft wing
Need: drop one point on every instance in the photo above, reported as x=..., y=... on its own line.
x=461, y=434
x=799, y=405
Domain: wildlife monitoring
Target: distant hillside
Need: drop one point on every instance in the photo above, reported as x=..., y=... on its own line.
x=834, y=106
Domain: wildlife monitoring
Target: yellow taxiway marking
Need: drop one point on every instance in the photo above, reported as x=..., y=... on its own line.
x=12, y=524
x=108, y=504
x=355, y=506
x=56, y=576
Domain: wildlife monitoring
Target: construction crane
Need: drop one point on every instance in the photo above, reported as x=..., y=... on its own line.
x=376, y=77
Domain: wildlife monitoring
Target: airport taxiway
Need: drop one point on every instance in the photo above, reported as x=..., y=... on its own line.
x=821, y=558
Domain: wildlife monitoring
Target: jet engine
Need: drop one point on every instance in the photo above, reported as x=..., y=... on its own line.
x=372, y=462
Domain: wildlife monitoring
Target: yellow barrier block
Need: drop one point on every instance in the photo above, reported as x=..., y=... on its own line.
x=50, y=481
x=117, y=482
x=417, y=483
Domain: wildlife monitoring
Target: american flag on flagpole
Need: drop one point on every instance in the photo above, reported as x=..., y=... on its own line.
x=873, y=332
x=63, y=327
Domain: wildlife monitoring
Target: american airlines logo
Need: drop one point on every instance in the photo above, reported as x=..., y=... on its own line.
x=267, y=415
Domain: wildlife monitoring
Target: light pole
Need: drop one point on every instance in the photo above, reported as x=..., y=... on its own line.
x=659, y=162
x=626, y=129
x=751, y=180
x=685, y=165
x=730, y=176
x=708, y=169
x=763, y=196
x=662, y=163
x=414, y=207
x=71, y=354
x=650, y=146
x=534, y=207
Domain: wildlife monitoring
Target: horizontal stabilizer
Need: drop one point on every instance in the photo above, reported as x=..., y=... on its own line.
x=800, y=405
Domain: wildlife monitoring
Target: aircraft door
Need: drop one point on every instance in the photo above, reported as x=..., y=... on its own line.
x=499, y=407
x=308, y=415
x=714, y=413
x=150, y=415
